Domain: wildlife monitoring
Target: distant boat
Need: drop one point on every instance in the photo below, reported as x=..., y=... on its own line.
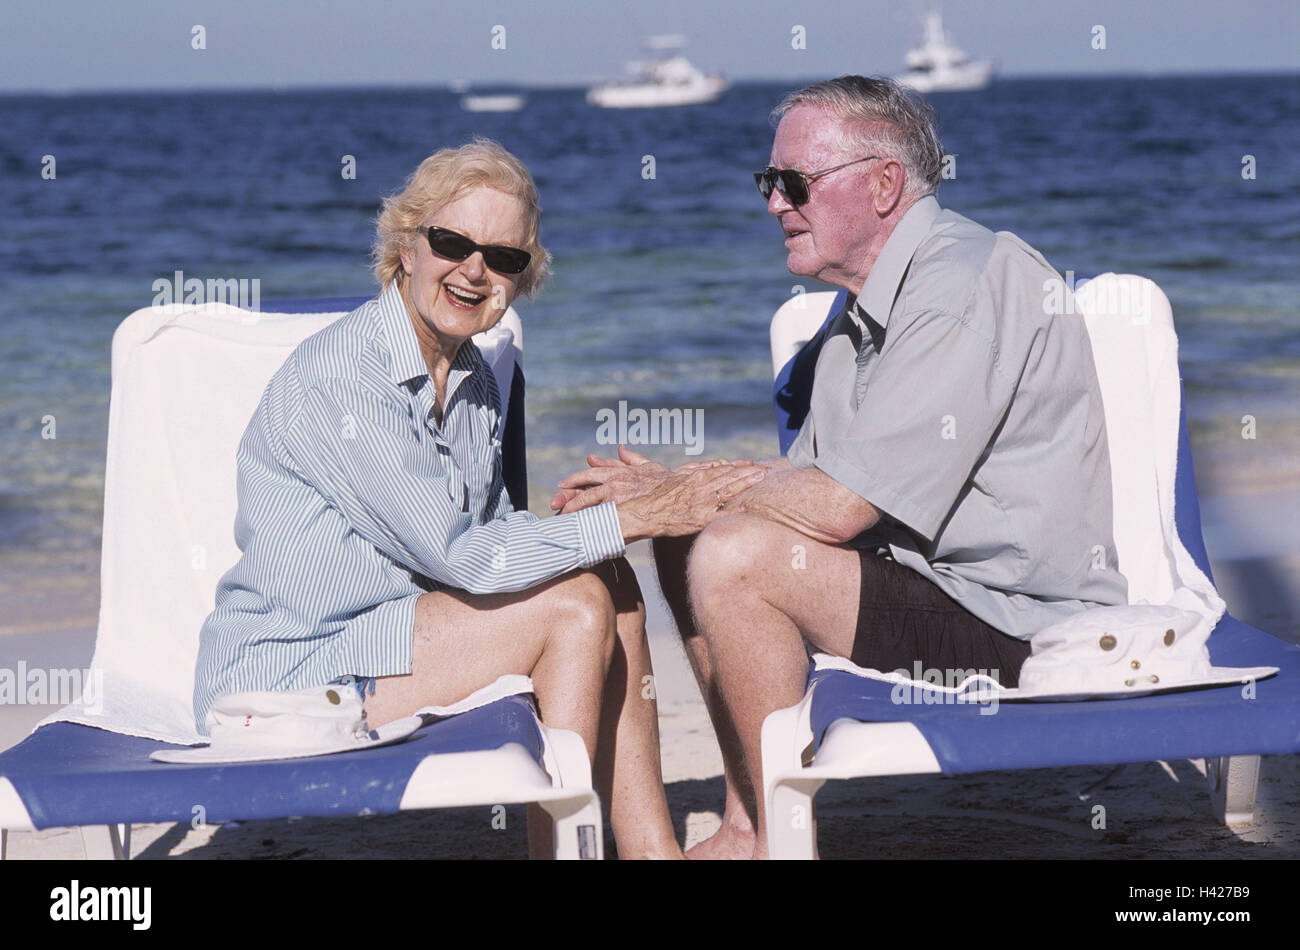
x=502, y=102
x=669, y=80
x=939, y=66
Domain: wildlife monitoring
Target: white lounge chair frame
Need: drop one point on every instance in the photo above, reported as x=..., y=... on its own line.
x=562, y=786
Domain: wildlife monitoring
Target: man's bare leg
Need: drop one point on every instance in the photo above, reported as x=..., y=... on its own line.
x=670, y=555
x=629, y=771
x=759, y=591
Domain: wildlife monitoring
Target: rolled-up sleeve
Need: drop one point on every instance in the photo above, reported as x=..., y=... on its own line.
x=928, y=413
x=363, y=453
x=802, y=452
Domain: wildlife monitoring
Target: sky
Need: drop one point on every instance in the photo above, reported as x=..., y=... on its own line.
x=62, y=45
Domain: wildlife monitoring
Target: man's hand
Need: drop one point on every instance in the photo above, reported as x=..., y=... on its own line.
x=653, y=501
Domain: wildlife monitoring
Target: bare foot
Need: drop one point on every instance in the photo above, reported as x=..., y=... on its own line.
x=728, y=843
x=664, y=854
x=667, y=850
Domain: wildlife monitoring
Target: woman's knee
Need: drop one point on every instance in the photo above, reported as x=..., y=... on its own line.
x=580, y=609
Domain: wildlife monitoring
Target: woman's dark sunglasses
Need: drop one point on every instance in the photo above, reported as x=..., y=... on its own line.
x=457, y=247
x=793, y=184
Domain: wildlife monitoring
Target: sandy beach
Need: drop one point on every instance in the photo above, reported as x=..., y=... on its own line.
x=1155, y=811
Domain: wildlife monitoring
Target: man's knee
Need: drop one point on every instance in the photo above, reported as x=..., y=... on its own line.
x=734, y=551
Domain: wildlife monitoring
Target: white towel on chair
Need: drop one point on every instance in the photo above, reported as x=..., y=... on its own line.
x=1135, y=349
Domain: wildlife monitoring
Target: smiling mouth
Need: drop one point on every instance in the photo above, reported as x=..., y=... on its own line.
x=464, y=299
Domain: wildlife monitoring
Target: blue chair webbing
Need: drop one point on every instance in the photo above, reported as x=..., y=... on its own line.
x=1206, y=722
x=68, y=774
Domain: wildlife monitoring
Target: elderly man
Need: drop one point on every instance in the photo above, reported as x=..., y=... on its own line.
x=948, y=494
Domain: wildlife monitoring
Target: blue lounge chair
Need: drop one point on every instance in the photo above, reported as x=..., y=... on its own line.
x=850, y=726
x=185, y=382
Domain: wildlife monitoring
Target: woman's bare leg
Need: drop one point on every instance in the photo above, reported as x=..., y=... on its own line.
x=581, y=638
x=629, y=770
x=561, y=634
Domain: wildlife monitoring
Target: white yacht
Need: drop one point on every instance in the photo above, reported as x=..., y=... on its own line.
x=499, y=100
x=669, y=80
x=937, y=65
x=502, y=102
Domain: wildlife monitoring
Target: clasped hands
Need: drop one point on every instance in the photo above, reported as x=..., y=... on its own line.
x=653, y=500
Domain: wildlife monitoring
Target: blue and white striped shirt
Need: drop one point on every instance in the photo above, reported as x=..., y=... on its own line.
x=354, y=501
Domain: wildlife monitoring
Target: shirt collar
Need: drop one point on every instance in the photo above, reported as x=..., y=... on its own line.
x=407, y=360
x=881, y=286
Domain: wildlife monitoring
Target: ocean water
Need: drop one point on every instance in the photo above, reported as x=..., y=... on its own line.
x=663, y=286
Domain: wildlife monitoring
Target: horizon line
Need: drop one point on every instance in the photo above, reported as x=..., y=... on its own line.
x=450, y=86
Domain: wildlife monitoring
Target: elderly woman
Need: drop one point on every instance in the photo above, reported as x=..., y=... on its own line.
x=380, y=548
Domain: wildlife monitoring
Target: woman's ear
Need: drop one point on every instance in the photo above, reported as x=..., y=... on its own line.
x=408, y=257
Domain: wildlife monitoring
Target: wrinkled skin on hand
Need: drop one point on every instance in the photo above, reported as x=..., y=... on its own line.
x=652, y=500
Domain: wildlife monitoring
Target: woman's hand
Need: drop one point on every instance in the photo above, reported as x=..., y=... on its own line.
x=574, y=486
x=580, y=481
x=653, y=501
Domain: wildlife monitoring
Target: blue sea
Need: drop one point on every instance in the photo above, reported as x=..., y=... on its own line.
x=663, y=286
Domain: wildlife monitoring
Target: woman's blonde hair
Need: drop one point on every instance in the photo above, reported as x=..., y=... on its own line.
x=444, y=177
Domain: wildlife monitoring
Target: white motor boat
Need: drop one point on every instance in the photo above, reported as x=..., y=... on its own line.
x=939, y=66
x=670, y=80
x=504, y=102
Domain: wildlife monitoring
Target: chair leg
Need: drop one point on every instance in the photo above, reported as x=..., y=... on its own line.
x=1233, y=782
x=578, y=831
x=4, y=842
x=106, y=842
x=792, y=820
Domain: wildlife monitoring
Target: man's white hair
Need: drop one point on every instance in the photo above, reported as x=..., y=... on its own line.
x=880, y=117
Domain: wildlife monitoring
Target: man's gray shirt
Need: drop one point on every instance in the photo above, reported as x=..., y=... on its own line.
x=972, y=419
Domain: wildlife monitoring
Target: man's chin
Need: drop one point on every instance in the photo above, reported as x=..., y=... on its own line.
x=800, y=266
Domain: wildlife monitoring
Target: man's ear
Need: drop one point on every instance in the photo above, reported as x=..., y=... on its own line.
x=887, y=188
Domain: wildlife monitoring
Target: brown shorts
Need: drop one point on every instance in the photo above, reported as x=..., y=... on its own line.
x=905, y=619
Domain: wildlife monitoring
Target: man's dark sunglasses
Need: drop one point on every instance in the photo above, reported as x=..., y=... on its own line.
x=457, y=247
x=793, y=184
